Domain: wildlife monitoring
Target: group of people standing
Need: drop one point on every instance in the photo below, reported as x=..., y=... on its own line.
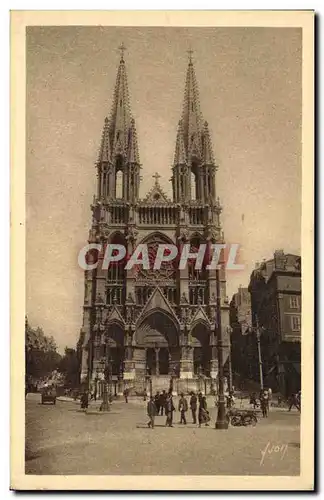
x=164, y=401
x=265, y=397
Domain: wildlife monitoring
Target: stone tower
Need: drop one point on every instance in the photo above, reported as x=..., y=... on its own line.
x=147, y=321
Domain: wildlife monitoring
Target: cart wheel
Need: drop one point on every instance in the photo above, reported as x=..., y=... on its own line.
x=247, y=420
x=235, y=421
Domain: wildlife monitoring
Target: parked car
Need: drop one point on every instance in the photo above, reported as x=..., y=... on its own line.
x=49, y=395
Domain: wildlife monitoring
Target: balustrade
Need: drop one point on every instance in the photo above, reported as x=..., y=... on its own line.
x=156, y=215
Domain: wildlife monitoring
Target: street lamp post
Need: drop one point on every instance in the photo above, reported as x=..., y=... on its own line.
x=105, y=400
x=221, y=422
x=258, y=336
x=172, y=379
x=257, y=330
x=96, y=383
x=230, y=374
x=149, y=379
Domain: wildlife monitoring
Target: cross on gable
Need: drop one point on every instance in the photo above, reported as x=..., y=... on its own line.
x=156, y=176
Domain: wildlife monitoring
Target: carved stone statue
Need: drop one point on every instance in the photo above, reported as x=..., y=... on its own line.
x=129, y=315
x=131, y=234
x=130, y=299
x=184, y=234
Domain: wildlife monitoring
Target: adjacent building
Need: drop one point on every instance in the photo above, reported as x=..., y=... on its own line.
x=271, y=305
x=275, y=288
x=242, y=344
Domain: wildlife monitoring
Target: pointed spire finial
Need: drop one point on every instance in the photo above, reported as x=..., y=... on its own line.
x=190, y=52
x=122, y=49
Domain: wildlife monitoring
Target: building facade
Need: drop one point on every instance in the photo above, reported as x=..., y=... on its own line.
x=275, y=288
x=243, y=345
x=161, y=322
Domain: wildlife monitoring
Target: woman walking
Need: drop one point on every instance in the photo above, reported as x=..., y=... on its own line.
x=203, y=414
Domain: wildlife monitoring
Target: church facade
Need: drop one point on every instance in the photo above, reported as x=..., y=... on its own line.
x=143, y=321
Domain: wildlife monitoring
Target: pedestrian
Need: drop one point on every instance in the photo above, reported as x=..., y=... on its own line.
x=264, y=401
x=84, y=400
x=144, y=395
x=203, y=414
x=163, y=398
x=157, y=402
x=267, y=398
x=183, y=408
x=126, y=393
x=193, y=407
x=200, y=397
x=253, y=400
x=151, y=412
x=169, y=409
x=293, y=402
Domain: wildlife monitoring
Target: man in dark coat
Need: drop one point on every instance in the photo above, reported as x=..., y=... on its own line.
x=84, y=400
x=151, y=412
x=126, y=394
x=163, y=397
x=193, y=407
x=169, y=409
x=157, y=402
x=203, y=414
x=183, y=408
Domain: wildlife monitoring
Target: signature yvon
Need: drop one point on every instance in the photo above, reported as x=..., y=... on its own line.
x=279, y=449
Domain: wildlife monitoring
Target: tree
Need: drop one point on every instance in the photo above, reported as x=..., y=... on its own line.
x=69, y=366
x=41, y=356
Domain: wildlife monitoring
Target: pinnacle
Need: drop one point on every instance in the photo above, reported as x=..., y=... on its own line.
x=133, y=155
x=208, y=157
x=105, y=152
x=180, y=152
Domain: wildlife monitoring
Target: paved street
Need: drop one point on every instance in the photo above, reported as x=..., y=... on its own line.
x=61, y=439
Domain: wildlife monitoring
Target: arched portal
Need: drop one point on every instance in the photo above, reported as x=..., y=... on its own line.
x=157, y=344
x=201, y=349
x=115, y=351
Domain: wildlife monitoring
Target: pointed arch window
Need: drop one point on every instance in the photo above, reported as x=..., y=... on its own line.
x=119, y=184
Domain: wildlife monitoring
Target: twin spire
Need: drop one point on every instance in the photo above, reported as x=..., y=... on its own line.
x=193, y=142
x=119, y=137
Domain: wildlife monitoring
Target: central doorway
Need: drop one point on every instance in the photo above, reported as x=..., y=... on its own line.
x=158, y=336
x=157, y=360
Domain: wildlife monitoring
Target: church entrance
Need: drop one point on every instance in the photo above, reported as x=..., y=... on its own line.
x=115, y=351
x=201, y=350
x=158, y=336
x=157, y=360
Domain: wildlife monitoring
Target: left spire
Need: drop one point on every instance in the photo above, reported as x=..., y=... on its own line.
x=119, y=146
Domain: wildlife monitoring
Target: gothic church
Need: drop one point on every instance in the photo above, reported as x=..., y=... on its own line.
x=159, y=322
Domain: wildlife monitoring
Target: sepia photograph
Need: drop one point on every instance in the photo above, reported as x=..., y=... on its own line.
x=167, y=233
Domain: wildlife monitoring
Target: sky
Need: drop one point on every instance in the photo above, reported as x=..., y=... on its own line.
x=250, y=93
